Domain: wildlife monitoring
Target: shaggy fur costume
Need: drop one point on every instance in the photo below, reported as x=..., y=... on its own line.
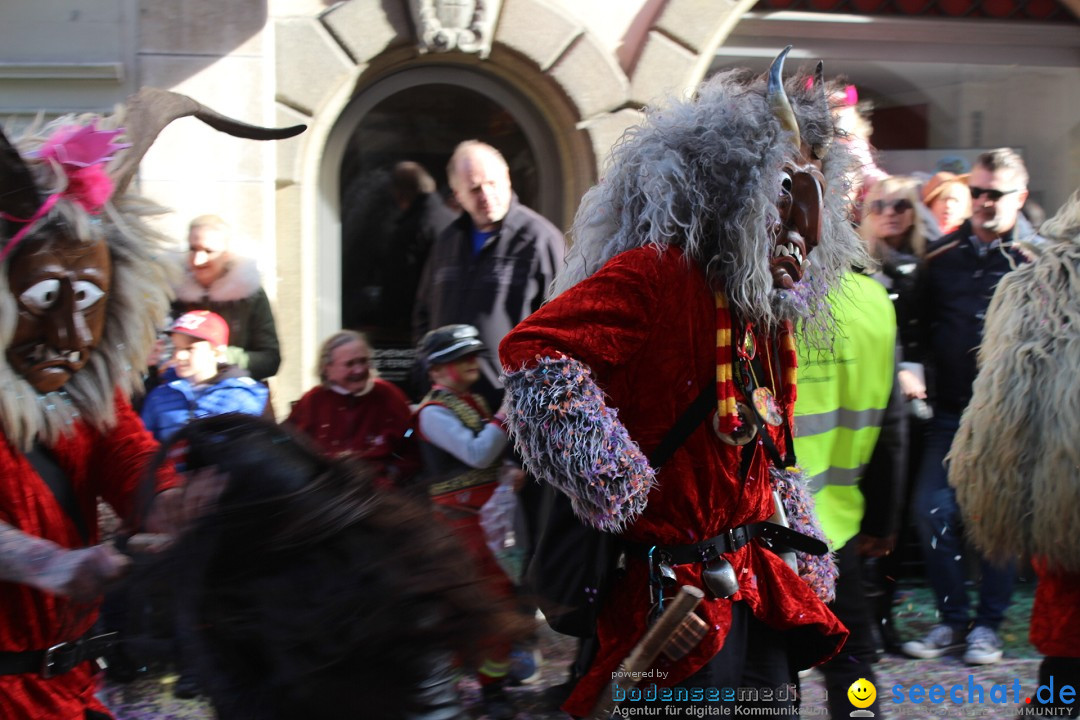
x=681, y=228
x=702, y=175
x=1015, y=458
x=315, y=595
x=561, y=418
x=138, y=302
x=87, y=425
x=817, y=571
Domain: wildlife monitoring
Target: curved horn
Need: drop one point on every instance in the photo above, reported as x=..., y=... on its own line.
x=778, y=99
x=820, y=150
x=150, y=110
x=819, y=78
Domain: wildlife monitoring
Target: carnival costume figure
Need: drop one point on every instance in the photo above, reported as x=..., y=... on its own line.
x=1015, y=462
x=315, y=593
x=720, y=223
x=82, y=294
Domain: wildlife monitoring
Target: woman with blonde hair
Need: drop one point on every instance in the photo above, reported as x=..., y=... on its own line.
x=890, y=219
x=896, y=238
x=894, y=233
x=354, y=412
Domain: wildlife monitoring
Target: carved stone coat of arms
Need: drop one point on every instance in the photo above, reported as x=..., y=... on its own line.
x=463, y=25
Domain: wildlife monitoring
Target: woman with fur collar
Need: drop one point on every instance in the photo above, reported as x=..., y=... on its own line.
x=216, y=279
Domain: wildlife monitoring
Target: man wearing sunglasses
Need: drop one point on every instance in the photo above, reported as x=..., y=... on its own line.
x=960, y=272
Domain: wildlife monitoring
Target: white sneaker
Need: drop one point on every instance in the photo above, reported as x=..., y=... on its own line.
x=983, y=646
x=941, y=640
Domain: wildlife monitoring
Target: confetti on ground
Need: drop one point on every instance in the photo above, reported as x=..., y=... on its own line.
x=150, y=697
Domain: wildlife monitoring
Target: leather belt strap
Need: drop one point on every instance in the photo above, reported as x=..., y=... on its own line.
x=58, y=659
x=777, y=536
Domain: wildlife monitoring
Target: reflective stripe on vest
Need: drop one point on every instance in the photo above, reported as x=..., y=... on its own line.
x=843, y=392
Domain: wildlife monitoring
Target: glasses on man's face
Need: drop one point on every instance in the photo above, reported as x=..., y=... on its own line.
x=878, y=207
x=991, y=195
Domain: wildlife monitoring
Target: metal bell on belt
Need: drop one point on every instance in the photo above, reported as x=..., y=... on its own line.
x=719, y=578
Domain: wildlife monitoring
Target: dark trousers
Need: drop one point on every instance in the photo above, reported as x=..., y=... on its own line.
x=891, y=567
x=854, y=659
x=937, y=516
x=753, y=662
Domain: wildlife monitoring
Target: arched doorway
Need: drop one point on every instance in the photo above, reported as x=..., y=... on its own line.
x=420, y=115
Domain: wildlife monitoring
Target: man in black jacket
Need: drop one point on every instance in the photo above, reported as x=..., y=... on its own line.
x=491, y=268
x=960, y=273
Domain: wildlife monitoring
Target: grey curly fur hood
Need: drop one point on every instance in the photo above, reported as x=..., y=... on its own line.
x=704, y=174
x=1015, y=462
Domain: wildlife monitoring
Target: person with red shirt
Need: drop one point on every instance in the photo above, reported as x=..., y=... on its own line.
x=353, y=412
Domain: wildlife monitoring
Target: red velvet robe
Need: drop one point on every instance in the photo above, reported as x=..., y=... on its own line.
x=645, y=324
x=109, y=465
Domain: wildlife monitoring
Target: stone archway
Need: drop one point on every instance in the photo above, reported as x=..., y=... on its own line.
x=550, y=58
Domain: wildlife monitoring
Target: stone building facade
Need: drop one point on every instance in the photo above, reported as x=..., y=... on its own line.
x=552, y=82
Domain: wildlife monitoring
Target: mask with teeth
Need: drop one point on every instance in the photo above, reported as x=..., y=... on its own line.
x=745, y=178
x=61, y=286
x=82, y=289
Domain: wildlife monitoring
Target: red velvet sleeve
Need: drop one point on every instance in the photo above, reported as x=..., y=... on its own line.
x=602, y=321
x=121, y=457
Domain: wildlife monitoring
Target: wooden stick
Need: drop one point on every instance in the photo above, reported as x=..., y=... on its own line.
x=649, y=647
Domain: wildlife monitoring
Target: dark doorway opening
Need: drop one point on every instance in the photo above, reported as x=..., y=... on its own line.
x=381, y=254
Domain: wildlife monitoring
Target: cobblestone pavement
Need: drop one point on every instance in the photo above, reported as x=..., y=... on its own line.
x=151, y=696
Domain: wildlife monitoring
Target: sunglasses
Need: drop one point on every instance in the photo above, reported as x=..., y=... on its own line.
x=991, y=195
x=878, y=207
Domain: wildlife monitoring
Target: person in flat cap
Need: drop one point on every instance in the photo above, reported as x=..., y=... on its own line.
x=462, y=447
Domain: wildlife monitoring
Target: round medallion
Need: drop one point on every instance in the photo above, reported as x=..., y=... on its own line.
x=767, y=407
x=746, y=431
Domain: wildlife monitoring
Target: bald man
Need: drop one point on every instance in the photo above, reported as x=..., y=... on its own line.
x=492, y=266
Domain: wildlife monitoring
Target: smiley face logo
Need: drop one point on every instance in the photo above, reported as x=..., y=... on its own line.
x=862, y=693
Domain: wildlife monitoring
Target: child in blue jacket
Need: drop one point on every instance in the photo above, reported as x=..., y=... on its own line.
x=205, y=384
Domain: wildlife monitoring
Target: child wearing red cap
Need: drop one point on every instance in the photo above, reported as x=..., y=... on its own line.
x=205, y=383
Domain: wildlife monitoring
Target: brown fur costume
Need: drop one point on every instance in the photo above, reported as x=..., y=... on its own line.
x=1015, y=459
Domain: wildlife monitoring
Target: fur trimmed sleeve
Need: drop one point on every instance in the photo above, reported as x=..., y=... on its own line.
x=561, y=361
x=569, y=437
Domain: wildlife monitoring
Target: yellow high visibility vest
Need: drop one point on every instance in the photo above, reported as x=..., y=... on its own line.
x=843, y=392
